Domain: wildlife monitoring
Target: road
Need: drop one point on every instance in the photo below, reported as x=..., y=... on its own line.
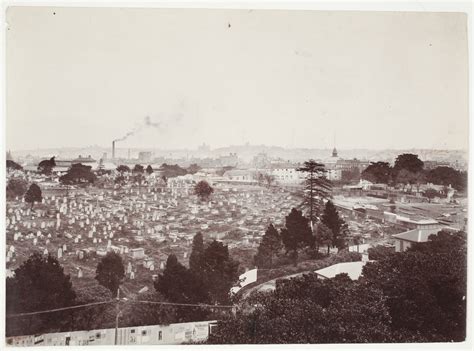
x=269, y=285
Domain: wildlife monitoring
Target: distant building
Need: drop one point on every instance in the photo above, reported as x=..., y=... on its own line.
x=261, y=160
x=145, y=156
x=83, y=160
x=286, y=173
x=230, y=160
x=241, y=175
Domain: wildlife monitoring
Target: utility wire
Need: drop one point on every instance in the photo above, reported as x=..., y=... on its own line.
x=58, y=309
x=183, y=304
x=114, y=301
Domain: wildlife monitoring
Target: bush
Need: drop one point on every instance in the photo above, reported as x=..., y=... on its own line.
x=380, y=252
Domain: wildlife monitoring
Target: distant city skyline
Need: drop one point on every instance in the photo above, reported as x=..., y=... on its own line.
x=178, y=78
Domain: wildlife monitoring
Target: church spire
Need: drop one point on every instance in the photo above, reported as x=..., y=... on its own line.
x=334, y=151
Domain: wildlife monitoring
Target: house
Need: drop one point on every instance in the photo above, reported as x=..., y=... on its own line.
x=241, y=175
x=406, y=239
x=352, y=269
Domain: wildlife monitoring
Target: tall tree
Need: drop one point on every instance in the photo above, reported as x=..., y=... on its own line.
x=110, y=272
x=297, y=232
x=179, y=284
x=203, y=190
x=16, y=187
x=410, y=162
x=220, y=271
x=149, y=170
x=138, y=169
x=39, y=284
x=268, y=248
x=336, y=224
x=46, y=166
x=197, y=252
x=323, y=237
x=317, y=188
x=12, y=165
x=448, y=176
x=33, y=194
x=377, y=172
x=78, y=174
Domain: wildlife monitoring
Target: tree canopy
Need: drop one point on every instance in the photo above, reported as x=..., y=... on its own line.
x=447, y=176
x=203, y=190
x=413, y=296
x=12, y=165
x=268, y=248
x=297, y=232
x=123, y=169
x=110, y=272
x=317, y=188
x=46, y=166
x=38, y=284
x=425, y=287
x=409, y=162
x=378, y=172
x=336, y=224
x=33, y=194
x=138, y=169
x=16, y=187
x=78, y=174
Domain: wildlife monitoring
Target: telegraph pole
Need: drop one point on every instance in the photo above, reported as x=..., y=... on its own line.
x=117, y=315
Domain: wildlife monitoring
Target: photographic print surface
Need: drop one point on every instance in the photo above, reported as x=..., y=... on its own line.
x=190, y=176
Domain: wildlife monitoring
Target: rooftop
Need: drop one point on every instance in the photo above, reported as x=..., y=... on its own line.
x=416, y=235
x=353, y=269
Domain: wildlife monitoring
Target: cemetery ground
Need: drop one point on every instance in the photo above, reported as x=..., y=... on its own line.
x=144, y=224
x=147, y=223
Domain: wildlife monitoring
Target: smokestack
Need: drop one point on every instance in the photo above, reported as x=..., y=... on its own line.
x=113, y=150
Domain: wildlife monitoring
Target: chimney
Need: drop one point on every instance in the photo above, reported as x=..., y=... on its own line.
x=113, y=150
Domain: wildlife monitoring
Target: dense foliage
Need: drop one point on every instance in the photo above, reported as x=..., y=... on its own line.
x=110, y=272
x=46, y=166
x=12, y=165
x=409, y=169
x=77, y=174
x=43, y=278
x=33, y=194
x=269, y=248
x=203, y=190
x=317, y=188
x=16, y=187
x=414, y=296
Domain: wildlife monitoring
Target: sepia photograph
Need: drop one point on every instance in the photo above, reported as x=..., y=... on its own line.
x=214, y=176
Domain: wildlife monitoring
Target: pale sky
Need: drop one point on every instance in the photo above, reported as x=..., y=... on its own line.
x=86, y=76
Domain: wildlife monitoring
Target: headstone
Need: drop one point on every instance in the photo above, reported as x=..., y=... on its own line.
x=60, y=253
x=79, y=273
